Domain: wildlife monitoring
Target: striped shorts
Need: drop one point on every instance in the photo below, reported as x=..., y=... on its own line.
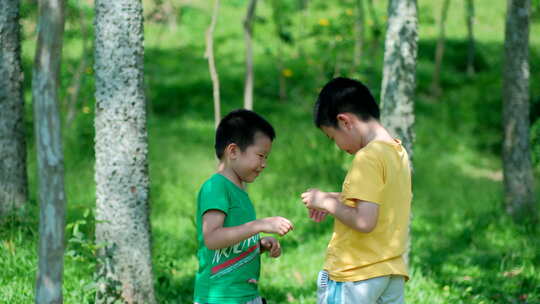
x=380, y=290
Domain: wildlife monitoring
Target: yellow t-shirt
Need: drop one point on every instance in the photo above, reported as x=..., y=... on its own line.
x=380, y=173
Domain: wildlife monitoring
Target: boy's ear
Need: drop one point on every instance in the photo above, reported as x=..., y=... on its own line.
x=344, y=121
x=232, y=150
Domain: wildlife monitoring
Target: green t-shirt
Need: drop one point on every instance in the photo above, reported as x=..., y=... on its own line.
x=224, y=274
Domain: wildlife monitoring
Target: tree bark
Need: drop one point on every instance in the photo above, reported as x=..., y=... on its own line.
x=248, y=34
x=399, y=72
x=359, y=26
x=470, y=34
x=439, y=52
x=517, y=166
x=399, y=76
x=121, y=143
x=13, y=176
x=50, y=159
x=209, y=54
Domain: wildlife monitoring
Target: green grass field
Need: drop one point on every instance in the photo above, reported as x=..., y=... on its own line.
x=464, y=248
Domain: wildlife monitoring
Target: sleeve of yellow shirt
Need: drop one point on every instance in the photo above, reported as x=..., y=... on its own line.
x=365, y=179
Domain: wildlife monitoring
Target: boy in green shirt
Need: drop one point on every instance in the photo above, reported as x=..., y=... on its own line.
x=227, y=228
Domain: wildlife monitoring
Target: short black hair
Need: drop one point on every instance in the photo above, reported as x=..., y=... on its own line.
x=239, y=127
x=342, y=95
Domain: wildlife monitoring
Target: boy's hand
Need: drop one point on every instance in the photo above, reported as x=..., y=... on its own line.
x=271, y=245
x=317, y=215
x=315, y=199
x=277, y=224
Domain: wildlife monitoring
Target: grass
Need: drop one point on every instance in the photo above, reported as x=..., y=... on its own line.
x=464, y=248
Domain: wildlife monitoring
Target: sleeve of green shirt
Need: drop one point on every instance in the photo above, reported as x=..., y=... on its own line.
x=214, y=197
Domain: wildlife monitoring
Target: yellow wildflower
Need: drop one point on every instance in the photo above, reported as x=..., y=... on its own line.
x=324, y=22
x=287, y=73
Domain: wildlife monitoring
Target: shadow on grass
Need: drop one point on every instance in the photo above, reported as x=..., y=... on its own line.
x=465, y=250
x=172, y=290
x=278, y=295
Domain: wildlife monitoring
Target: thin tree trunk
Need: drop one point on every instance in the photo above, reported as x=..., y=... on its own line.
x=209, y=54
x=470, y=33
x=170, y=13
x=50, y=158
x=399, y=76
x=77, y=80
x=359, y=26
x=282, y=79
x=376, y=28
x=376, y=34
x=439, y=52
x=248, y=33
x=278, y=19
x=338, y=62
x=518, y=174
x=121, y=143
x=13, y=177
x=302, y=31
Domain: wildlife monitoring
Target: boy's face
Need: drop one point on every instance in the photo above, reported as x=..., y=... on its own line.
x=349, y=135
x=248, y=164
x=341, y=138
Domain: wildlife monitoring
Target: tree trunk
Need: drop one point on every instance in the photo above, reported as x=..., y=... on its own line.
x=399, y=73
x=518, y=174
x=302, y=31
x=278, y=17
x=470, y=33
x=209, y=54
x=121, y=145
x=359, y=26
x=50, y=159
x=248, y=33
x=281, y=72
x=13, y=177
x=399, y=76
x=439, y=52
x=376, y=28
x=76, y=82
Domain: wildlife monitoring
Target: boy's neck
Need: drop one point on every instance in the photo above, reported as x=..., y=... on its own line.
x=226, y=170
x=377, y=133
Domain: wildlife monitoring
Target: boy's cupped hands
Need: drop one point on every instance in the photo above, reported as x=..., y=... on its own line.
x=271, y=245
x=315, y=200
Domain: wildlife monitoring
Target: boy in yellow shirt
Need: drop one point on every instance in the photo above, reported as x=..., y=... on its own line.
x=365, y=258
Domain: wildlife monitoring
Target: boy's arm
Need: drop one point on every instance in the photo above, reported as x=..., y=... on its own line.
x=363, y=217
x=216, y=236
x=319, y=215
